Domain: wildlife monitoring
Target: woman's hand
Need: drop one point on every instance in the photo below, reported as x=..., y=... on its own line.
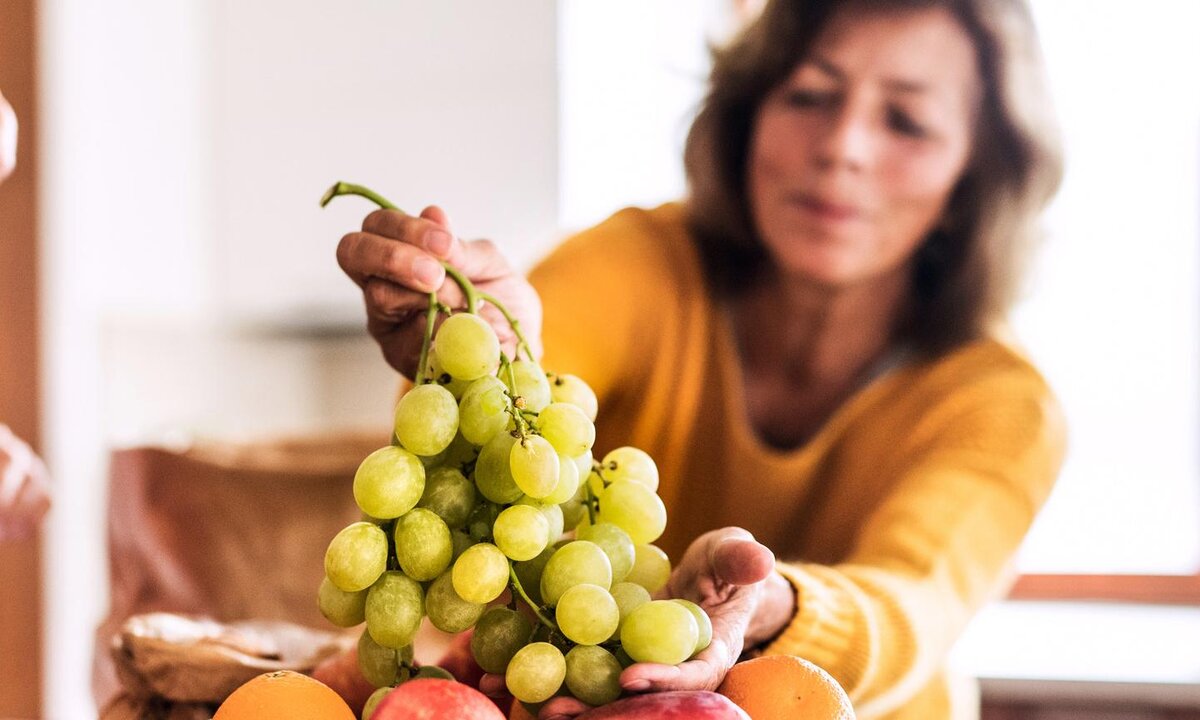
x=24, y=491
x=732, y=577
x=396, y=260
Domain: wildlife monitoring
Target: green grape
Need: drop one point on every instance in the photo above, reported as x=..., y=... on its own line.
x=628, y=596
x=567, y=428
x=374, y=700
x=587, y=614
x=447, y=611
x=379, y=664
x=529, y=574
x=583, y=463
x=703, y=624
x=426, y=419
x=572, y=389
x=389, y=482
x=481, y=573
x=423, y=545
x=630, y=463
x=498, y=635
x=593, y=675
x=534, y=466
x=595, y=482
x=460, y=453
x=536, y=672
x=363, y=517
x=635, y=509
x=356, y=556
x=435, y=372
x=576, y=562
x=615, y=543
x=467, y=347
x=552, y=513
x=521, y=532
x=483, y=411
x=493, y=473
x=532, y=384
x=395, y=606
x=344, y=609
x=568, y=482
x=449, y=494
x=432, y=671
x=429, y=461
x=479, y=523
x=575, y=509
x=461, y=541
x=661, y=631
x=651, y=568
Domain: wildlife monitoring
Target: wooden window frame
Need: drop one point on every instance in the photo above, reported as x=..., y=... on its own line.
x=1147, y=589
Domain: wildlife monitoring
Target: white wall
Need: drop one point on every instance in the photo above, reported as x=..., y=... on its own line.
x=189, y=280
x=632, y=76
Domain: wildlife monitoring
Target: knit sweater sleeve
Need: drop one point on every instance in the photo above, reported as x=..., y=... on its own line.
x=971, y=476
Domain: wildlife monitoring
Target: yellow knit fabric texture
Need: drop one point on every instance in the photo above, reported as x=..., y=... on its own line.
x=894, y=524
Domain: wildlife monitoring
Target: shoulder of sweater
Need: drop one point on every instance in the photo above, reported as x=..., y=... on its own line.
x=989, y=377
x=990, y=359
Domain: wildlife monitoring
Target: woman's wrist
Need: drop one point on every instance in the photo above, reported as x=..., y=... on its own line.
x=776, y=608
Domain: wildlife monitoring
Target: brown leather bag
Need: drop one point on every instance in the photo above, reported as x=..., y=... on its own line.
x=228, y=531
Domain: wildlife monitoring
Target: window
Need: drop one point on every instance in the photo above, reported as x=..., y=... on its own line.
x=1113, y=312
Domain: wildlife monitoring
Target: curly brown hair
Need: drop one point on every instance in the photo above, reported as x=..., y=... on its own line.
x=967, y=271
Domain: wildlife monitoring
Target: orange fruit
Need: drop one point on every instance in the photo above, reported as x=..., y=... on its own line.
x=284, y=695
x=784, y=687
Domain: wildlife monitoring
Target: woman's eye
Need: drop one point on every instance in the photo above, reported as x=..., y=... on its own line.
x=903, y=123
x=808, y=98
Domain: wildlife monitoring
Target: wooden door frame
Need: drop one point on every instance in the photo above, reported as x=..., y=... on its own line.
x=20, y=343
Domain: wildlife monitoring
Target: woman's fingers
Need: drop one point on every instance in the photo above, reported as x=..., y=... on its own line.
x=493, y=685
x=429, y=231
x=562, y=707
x=741, y=561
x=363, y=256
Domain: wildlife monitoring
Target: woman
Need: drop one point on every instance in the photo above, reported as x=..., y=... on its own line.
x=810, y=344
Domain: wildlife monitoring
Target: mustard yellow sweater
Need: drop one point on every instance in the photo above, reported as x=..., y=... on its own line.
x=896, y=522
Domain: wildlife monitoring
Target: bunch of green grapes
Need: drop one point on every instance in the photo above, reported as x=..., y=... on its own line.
x=489, y=511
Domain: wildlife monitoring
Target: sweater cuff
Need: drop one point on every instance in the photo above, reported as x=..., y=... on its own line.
x=827, y=627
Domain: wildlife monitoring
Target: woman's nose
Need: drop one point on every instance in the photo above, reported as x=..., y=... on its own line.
x=848, y=139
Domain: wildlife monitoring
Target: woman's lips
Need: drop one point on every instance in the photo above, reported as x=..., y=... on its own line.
x=826, y=209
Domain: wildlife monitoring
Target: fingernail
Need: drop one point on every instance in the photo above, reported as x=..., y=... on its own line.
x=438, y=243
x=637, y=685
x=427, y=270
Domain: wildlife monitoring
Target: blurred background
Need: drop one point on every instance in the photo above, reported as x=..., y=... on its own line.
x=167, y=272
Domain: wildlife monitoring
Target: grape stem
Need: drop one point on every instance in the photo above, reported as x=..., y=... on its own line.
x=470, y=293
x=515, y=582
x=430, y=318
x=511, y=408
x=591, y=501
x=514, y=323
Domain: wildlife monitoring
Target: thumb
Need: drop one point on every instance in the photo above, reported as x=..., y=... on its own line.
x=438, y=216
x=741, y=560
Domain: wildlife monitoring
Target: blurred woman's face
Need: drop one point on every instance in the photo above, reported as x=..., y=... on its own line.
x=853, y=158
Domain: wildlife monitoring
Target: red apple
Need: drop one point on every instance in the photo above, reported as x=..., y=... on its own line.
x=673, y=705
x=434, y=699
x=341, y=673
